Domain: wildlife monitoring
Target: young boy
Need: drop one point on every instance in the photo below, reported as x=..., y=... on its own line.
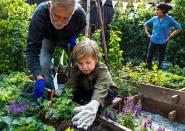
x=91, y=81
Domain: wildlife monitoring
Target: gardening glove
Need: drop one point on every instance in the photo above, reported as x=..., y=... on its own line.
x=71, y=40
x=86, y=114
x=39, y=90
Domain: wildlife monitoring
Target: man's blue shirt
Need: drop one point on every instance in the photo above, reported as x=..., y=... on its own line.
x=161, y=29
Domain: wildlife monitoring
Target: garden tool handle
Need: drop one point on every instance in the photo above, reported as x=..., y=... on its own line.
x=52, y=94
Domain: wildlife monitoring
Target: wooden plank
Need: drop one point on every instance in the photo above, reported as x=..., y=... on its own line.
x=163, y=109
x=102, y=32
x=183, y=89
x=175, y=99
x=87, y=27
x=111, y=124
x=160, y=94
x=172, y=115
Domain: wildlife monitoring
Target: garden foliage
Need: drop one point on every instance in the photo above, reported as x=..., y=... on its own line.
x=175, y=48
x=113, y=48
x=155, y=77
x=20, y=112
x=14, y=21
x=134, y=40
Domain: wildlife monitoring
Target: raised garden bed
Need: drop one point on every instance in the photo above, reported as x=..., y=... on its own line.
x=100, y=124
x=163, y=101
x=155, y=77
x=54, y=112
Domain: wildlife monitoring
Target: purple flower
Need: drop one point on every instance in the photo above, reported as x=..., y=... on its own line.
x=131, y=108
x=147, y=124
x=160, y=129
x=150, y=123
x=17, y=108
x=115, y=117
x=111, y=115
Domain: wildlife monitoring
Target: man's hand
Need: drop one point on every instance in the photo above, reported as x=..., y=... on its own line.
x=72, y=41
x=39, y=90
x=86, y=114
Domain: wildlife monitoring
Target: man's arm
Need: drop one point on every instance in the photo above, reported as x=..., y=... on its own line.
x=34, y=42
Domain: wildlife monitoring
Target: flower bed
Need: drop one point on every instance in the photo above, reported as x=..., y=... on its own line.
x=19, y=111
x=155, y=77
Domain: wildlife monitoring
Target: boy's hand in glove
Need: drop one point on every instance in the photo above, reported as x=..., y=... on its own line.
x=86, y=114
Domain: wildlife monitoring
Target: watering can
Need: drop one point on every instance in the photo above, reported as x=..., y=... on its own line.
x=165, y=65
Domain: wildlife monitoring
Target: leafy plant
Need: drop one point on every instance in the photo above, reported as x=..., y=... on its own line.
x=59, y=108
x=159, y=78
x=115, y=54
x=11, y=86
x=125, y=89
x=69, y=129
x=14, y=21
x=175, y=48
x=127, y=121
x=128, y=114
x=114, y=59
x=134, y=40
x=23, y=124
x=17, y=108
x=110, y=113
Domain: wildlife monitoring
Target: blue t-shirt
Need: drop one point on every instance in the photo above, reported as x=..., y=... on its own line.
x=161, y=29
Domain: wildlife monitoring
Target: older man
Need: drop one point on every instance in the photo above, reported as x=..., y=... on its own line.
x=55, y=23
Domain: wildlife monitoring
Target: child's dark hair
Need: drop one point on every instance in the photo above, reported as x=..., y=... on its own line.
x=164, y=7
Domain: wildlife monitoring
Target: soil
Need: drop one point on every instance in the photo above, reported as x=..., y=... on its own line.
x=96, y=126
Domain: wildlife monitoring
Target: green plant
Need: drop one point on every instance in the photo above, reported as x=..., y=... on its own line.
x=125, y=89
x=134, y=40
x=14, y=21
x=69, y=129
x=177, y=70
x=127, y=121
x=54, y=110
x=159, y=78
x=114, y=59
x=115, y=54
x=175, y=49
x=23, y=124
x=11, y=86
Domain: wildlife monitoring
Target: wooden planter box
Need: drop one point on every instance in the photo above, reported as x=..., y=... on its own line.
x=111, y=124
x=163, y=101
x=100, y=124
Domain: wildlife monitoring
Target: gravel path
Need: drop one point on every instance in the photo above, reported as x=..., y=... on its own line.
x=158, y=120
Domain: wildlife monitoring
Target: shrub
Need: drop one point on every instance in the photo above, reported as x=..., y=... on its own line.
x=14, y=20
x=134, y=40
x=175, y=48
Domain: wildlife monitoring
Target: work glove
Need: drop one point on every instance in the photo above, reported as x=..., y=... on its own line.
x=39, y=90
x=85, y=114
x=71, y=40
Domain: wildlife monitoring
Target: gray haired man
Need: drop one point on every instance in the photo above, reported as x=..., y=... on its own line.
x=55, y=23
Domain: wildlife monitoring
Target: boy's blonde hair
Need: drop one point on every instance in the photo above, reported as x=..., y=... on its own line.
x=84, y=49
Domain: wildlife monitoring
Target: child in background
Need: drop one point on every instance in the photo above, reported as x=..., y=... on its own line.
x=91, y=81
